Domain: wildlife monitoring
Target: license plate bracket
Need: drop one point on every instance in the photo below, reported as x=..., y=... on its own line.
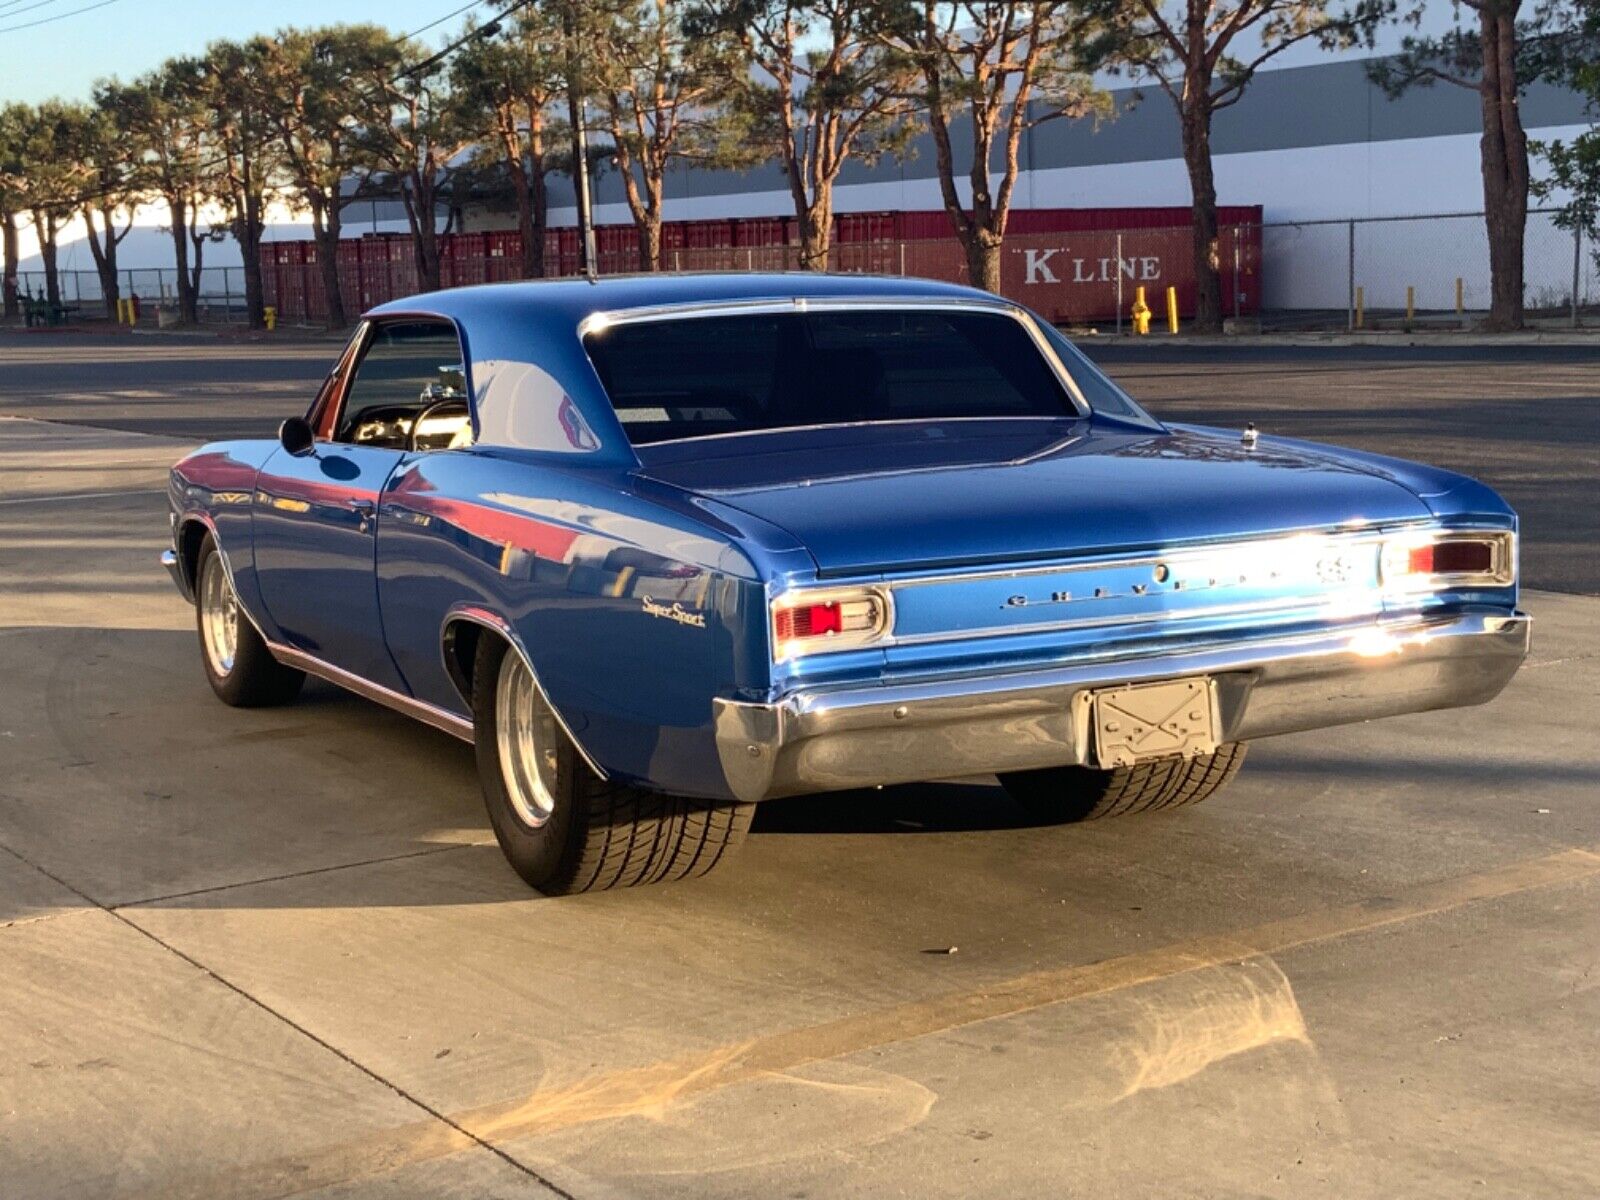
x=1173, y=718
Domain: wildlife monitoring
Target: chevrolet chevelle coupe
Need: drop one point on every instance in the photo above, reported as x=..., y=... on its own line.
x=664, y=548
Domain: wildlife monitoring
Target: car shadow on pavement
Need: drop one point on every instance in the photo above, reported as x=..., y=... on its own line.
x=955, y=806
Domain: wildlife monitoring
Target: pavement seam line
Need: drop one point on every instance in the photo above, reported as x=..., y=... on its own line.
x=66, y=497
x=416, y=1101
x=244, y=883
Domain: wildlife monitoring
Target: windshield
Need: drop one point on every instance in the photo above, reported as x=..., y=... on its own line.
x=696, y=376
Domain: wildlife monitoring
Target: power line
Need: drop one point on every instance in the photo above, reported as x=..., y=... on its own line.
x=58, y=17
x=406, y=37
x=12, y=5
x=489, y=27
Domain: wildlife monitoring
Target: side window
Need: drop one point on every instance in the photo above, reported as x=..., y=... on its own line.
x=409, y=390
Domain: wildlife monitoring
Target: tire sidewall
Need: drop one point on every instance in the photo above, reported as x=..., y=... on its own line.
x=536, y=853
x=229, y=688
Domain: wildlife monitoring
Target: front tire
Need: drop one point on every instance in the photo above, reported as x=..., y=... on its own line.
x=562, y=828
x=239, y=667
x=1063, y=794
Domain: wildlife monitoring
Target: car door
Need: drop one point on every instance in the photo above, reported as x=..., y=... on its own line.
x=316, y=515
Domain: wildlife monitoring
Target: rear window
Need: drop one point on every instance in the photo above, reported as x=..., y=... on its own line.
x=691, y=377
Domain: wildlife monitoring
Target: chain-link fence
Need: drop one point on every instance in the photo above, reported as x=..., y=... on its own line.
x=1422, y=272
x=1372, y=273
x=220, y=299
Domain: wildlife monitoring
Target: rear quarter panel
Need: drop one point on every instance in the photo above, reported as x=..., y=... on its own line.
x=585, y=570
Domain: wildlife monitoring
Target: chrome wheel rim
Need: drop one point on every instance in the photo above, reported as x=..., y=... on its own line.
x=525, y=731
x=219, y=617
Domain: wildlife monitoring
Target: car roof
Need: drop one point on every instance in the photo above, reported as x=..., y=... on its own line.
x=575, y=299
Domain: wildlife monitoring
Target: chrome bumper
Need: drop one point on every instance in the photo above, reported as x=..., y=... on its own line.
x=169, y=560
x=822, y=741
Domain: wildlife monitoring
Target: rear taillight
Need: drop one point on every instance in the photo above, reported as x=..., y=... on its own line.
x=1449, y=560
x=815, y=622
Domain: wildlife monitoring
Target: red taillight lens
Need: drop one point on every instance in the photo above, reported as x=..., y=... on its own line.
x=1452, y=558
x=808, y=621
x=836, y=621
x=1487, y=559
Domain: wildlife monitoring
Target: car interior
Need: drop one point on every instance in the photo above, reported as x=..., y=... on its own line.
x=409, y=391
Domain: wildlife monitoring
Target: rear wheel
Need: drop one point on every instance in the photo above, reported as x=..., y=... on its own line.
x=1059, y=794
x=562, y=827
x=240, y=668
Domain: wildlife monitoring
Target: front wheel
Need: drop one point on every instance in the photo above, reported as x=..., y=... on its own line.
x=1061, y=794
x=239, y=667
x=562, y=827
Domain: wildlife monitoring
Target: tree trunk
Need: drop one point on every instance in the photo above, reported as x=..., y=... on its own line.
x=816, y=232
x=983, y=259
x=419, y=204
x=533, y=229
x=1203, y=188
x=44, y=224
x=325, y=228
x=524, y=195
x=248, y=232
x=188, y=311
x=1504, y=147
x=8, y=270
x=648, y=225
x=428, y=273
x=105, y=258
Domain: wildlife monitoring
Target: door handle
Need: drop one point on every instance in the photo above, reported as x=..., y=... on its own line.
x=364, y=510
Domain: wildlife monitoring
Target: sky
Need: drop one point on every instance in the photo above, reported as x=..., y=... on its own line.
x=128, y=37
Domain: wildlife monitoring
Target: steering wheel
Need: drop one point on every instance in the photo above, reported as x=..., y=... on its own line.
x=428, y=411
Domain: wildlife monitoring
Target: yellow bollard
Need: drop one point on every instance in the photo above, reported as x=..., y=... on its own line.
x=1141, y=312
x=1461, y=298
x=270, y=315
x=1360, y=306
x=1411, y=303
x=1172, y=310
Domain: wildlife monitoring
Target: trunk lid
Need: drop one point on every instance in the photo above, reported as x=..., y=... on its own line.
x=931, y=495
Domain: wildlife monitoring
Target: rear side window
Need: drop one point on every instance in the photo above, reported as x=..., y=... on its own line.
x=688, y=377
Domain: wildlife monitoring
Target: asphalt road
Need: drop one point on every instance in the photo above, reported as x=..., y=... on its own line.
x=1526, y=419
x=276, y=952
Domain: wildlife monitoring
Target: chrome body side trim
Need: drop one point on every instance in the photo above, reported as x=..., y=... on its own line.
x=826, y=740
x=493, y=620
x=448, y=722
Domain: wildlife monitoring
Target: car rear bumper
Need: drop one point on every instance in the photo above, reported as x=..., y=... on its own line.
x=827, y=740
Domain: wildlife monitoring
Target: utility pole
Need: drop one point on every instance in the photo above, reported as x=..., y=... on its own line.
x=580, y=139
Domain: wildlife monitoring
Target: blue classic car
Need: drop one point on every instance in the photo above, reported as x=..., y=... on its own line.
x=662, y=548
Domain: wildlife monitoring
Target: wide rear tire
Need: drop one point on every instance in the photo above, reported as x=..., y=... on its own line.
x=1063, y=794
x=562, y=828
x=238, y=665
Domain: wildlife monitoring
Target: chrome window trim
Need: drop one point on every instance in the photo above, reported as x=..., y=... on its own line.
x=597, y=321
x=738, y=433
x=370, y=327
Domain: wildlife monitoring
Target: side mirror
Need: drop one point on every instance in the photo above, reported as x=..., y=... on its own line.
x=297, y=436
